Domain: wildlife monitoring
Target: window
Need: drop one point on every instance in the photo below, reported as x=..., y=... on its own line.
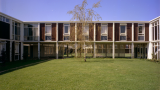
x=86, y=30
x=31, y=32
x=17, y=31
x=13, y=30
x=123, y=32
x=66, y=32
x=7, y=20
x=122, y=37
x=66, y=38
x=104, y=31
x=66, y=28
x=17, y=48
x=48, y=32
x=141, y=32
x=48, y=50
x=103, y=37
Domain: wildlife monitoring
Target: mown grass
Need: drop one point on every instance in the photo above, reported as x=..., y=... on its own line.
x=75, y=74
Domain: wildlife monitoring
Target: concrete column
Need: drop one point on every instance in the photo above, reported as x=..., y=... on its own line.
x=57, y=40
x=76, y=50
x=132, y=31
x=21, y=32
x=159, y=31
x=94, y=48
x=10, y=22
x=94, y=37
x=113, y=47
x=132, y=50
x=67, y=50
x=113, y=51
x=57, y=50
x=38, y=32
x=150, y=51
x=75, y=31
x=39, y=50
x=21, y=51
x=154, y=31
x=10, y=51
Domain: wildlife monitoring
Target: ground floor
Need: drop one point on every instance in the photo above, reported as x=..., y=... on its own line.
x=95, y=50
x=19, y=50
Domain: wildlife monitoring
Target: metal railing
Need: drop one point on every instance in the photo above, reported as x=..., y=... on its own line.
x=30, y=38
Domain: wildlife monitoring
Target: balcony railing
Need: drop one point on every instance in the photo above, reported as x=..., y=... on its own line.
x=17, y=37
x=30, y=38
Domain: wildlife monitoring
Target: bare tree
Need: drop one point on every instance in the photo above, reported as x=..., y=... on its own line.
x=84, y=16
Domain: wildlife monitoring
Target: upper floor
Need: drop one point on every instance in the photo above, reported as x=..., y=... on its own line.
x=62, y=31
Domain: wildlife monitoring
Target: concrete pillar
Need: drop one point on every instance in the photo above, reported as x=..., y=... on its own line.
x=76, y=50
x=10, y=22
x=113, y=51
x=10, y=51
x=150, y=51
x=39, y=50
x=67, y=50
x=94, y=45
x=21, y=32
x=113, y=47
x=38, y=32
x=94, y=48
x=94, y=36
x=132, y=31
x=75, y=31
x=132, y=50
x=57, y=50
x=21, y=51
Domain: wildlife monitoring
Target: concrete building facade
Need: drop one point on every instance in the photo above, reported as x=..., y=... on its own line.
x=112, y=39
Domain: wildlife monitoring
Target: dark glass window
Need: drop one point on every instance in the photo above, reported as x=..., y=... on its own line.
x=140, y=37
x=66, y=37
x=103, y=37
x=48, y=37
x=66, y=29
x=140, y=29
x=122, y=37
x=122, y=29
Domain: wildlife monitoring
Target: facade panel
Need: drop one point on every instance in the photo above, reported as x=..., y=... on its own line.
x=60, y=31
x=129, y=31
x=79, y=31
x=146, y=31
x=42, y=32
x=110, y=31
x=98, y=31
x=117, y=31
x=53, y=31
x=4, y=28
x=155, y=32
x=72, y=31
x=91, y=31
x=135, y=31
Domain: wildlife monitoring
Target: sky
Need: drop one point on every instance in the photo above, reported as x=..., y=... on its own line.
x=56, y=10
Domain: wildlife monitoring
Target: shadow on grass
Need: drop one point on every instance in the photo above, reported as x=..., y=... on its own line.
x=12, y=66
x=105, y=60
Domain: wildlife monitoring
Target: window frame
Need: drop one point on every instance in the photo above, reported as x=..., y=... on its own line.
x=86, y=34
x=123, y=34
x=104, y=34
x=66, y=34
x=48, y=24
x=143, y=31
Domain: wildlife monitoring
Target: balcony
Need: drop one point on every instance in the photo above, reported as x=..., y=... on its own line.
x=30, y=38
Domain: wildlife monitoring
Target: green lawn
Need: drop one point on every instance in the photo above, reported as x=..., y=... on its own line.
x=74, y=74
